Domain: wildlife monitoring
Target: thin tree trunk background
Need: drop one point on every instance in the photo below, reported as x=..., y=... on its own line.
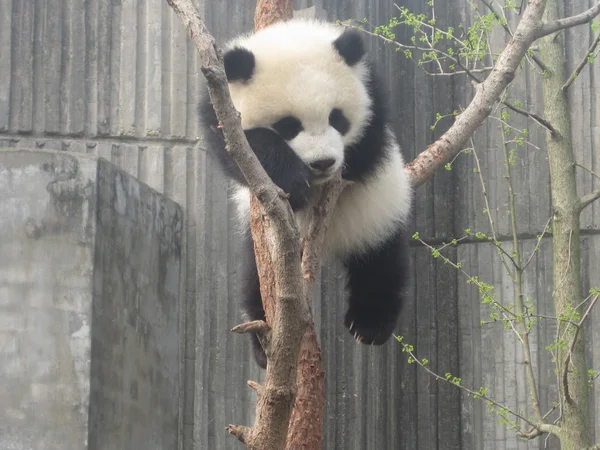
x=566, y=240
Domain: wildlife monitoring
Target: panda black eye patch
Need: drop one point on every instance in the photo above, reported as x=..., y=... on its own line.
x=288, y=127
x=338, y=121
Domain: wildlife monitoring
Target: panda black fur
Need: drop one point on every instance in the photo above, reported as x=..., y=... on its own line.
x=310, y=104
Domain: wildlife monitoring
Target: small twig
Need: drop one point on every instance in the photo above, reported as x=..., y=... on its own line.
x=239, y=431
x=516, y=130
x=544, y=427
x=568, y=22
x=550, y=411
x=504, y=310
x=582, y=64
x=255, y=386
x=521, y=310
x=255, y=326
x=540, y=120
x=434, y=29
x=591, y=172
x=503, y=21
x=537, y=246
x=572, y=347
x=588, y=199
x=491, y=219
x=457, y=72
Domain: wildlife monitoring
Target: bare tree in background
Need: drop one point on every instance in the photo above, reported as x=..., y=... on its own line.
x=289, y=283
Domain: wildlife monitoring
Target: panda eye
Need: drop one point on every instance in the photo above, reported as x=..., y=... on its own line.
x=338, y=121
x=288, y=127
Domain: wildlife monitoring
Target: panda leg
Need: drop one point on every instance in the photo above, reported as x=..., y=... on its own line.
x=376, y=279
x=252, y=300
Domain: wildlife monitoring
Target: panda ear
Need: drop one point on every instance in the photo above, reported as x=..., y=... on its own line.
x=239, y=64
x=350, y=46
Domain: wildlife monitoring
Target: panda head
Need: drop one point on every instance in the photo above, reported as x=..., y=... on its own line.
x=307, y=81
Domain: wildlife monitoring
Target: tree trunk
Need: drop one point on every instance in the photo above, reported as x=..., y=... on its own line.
x=567, y=276
x=306, y=421
x=268, y=12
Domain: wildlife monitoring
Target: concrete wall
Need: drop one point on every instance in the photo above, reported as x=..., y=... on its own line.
x=120, y=79
x=89, y=306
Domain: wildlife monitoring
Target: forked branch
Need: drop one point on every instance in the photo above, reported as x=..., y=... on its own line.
x=487, y=95
x=569, y=22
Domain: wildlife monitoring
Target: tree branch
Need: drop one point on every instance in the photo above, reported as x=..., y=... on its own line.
x=239, y=432
x=290, y=318
x=591, y=172
x=504, y=23
x=256, y=326
x=469, y=72
x=521, y=310
x=588, y=199
x=569, y=22
x=542, y=427
x=538, y=430
x=540, y=120
x=486, y=96
x=582, y=64
x=306, y=423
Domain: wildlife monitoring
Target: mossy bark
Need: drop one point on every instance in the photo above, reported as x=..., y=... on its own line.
x=574, y=433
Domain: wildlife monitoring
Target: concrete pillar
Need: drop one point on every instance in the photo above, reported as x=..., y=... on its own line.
x=89, y=306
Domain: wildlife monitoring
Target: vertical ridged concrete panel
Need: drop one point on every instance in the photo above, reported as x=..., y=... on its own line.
x=120, y=79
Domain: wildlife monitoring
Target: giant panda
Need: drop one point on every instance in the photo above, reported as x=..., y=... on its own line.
x=310, y=104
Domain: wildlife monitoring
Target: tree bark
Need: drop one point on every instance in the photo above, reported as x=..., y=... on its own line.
x=306, y=423
x=268, y=12
x=573, y=432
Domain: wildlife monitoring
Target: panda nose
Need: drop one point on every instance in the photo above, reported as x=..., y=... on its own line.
x=322, y=164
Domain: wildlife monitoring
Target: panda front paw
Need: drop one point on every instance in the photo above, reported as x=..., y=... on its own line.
x=298, y=186
x=370, y=326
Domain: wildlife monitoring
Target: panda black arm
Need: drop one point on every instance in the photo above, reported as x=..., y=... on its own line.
x=285, y=168
x=281, y=163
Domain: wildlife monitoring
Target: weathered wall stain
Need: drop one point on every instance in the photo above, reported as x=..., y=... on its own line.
x=89, y=338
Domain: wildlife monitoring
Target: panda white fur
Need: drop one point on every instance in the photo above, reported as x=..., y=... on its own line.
x=309, y=105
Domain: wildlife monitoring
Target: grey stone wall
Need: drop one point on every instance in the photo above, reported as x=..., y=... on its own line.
x=89, y=306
